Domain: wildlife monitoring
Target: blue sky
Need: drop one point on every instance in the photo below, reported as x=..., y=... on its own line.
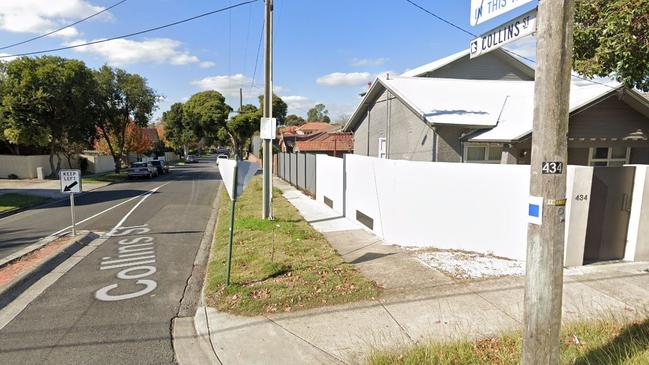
x=325, y=51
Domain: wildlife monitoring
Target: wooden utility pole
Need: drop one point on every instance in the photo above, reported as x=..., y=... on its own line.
x=545, y=241
x=268, y=110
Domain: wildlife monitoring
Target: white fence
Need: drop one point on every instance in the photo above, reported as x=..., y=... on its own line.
x=473, y=207
x=25, y=166
x=329, y=181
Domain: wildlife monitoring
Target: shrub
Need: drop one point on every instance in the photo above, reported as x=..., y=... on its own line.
x=13, y=176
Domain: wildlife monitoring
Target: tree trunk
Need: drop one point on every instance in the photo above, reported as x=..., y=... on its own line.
x=185, y=150
x=52, y=169
x=116, y=158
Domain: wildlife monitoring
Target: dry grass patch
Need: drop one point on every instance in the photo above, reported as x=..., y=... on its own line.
x=278, y=266
x=610, y=341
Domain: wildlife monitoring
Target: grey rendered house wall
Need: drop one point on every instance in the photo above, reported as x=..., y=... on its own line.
x=491, y=66
x=407, y=136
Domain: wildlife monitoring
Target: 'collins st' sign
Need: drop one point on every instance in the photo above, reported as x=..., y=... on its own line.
x=506, y=33
x=483, y=10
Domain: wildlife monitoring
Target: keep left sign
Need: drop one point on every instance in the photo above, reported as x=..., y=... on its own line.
x=70, y=181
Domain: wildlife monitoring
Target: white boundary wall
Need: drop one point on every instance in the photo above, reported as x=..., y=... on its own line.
x=25, y=166
x=473, y=207
x=329, y=180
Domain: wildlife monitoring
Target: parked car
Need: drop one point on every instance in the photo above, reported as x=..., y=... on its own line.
x=161, y=166
x=191, y=159
x=221, y=157
x=142, y=169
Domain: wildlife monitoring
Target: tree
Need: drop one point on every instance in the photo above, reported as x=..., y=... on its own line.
x=612, y=39
x=240, y=129
x=317, y=113
x=124, y=99
x=279, y=108
x=293, y=119
x=48, y=101
x=176, y=130
x=206, y=113
x=135, y=140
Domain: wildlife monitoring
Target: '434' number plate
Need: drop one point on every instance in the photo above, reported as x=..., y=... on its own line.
x=552, y=168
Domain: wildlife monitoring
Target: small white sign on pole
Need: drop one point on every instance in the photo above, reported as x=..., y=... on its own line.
x=245, y=171
x=70, y=181
x=268, y=128
x=483, y=10
x=513, y=30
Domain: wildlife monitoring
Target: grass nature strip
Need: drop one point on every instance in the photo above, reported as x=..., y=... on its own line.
x=608, y=341
x=278, y=266
x=110, y=177
x=13, y=201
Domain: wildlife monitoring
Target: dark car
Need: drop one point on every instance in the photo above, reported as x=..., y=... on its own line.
x=191, y=159
x=161, y=166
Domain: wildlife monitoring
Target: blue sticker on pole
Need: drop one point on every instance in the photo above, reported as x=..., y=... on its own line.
x=535, y=210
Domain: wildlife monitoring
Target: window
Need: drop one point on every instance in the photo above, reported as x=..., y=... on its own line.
x=482, y=153
x=609, y=156
x=382, y=148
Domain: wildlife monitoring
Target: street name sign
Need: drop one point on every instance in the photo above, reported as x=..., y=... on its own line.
x=514, y=29
x=244, y=171
x=70, y=181
x=483, y=10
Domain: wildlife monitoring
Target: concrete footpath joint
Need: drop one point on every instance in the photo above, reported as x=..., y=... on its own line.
x=419, y=304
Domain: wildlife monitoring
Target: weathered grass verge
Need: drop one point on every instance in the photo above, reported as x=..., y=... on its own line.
x=609, y=341
x=14, y=201
x=278, y=266
x=110, y=177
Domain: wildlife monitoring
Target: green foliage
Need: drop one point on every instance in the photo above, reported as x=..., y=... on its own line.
x=122, y=99
x=241, y=128
x=48, y=101
x=317, y=113
x=206, y=113
x=293, y=119
x=612, y=38
x=279, y=108
x=176, y=129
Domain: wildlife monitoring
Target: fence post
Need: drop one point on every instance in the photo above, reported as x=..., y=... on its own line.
x=344, y=185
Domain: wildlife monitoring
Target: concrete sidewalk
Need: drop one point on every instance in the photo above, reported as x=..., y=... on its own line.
x=419, y=304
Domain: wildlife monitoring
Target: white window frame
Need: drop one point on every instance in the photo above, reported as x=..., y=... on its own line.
x=383, y=145
x=609, y=158
x=486, y=147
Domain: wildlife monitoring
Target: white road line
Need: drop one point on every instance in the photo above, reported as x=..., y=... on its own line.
x=107, y=210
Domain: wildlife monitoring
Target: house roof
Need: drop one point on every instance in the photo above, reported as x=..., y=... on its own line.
x=314, y=126
x=442, y=62
x=338, y=141
x=151, y=134
x=504, y=109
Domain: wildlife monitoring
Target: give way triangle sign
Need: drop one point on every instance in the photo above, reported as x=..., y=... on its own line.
x=236, y=175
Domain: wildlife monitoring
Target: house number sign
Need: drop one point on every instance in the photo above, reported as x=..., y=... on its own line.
x=552, y=168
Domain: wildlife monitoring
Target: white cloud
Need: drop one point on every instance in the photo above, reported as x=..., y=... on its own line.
x=229, y=85
x=298, y=104
x=207, y=64
x=39, y=16
x=6, y=59
x=345, y=79
x=124, y=51
x=363, y=62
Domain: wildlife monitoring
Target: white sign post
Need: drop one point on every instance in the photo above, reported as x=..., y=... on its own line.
x=483, y=10
x=513, y=30
x=235, y=175
x=71, y=184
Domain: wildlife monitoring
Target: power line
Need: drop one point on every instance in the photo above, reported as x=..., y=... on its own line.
x=131, y=34
x=504, y=49
x=65, y=27
x=261, y=37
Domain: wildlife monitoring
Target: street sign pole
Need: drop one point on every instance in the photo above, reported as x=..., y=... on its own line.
x=545, y=234
x=234, y=200
x=74, y=225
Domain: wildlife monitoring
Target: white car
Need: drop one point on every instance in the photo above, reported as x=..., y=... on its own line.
x=219, y=157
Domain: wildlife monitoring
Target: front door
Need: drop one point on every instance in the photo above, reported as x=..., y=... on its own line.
x=608, y=214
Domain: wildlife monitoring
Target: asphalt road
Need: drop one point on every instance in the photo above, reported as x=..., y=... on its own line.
x=116, y=305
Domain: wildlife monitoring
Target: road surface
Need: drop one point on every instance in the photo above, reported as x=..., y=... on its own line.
x=116, y=305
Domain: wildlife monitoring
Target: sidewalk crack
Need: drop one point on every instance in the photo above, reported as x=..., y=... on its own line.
x=306, y=341
x=403, y=329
